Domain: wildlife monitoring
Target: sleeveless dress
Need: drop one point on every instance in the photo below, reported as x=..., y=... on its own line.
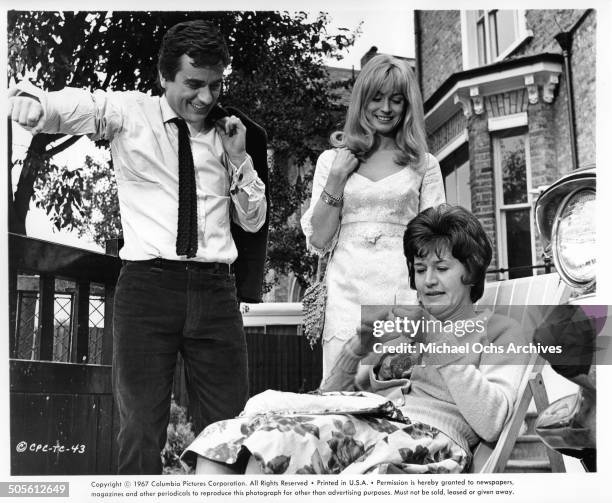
x=367, y=266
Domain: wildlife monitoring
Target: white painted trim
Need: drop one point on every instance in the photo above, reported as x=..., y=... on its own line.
x=496, y=77
x=534, y=235
x=272, y=313
x=465, y=33
x=452, y=145
x=514, y=45
x=507, y=121
x=500, y=223
x=469, y=36
x=501, y=209
x=514, y=206
x=523, y=32
x=512, y=72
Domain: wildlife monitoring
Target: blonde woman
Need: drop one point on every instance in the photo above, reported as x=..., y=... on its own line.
x=365, y=191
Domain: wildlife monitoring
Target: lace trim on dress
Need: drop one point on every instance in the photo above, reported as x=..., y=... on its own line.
x=307, y=229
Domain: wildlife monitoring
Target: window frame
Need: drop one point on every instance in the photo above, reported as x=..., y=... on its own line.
x=460, y=151
x=470, y=20
x=501, y=209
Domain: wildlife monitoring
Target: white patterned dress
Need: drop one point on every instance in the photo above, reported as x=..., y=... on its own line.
x=368, y=266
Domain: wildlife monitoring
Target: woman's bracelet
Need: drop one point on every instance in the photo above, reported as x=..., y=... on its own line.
x=330, y=200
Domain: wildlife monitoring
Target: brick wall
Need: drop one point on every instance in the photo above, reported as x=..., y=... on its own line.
x=509, y=103
x=545, y=24
x=481, y=178
x=543, y=139
x=583, y=70
x=447, y=132
x=560, y=125
x=440, y=55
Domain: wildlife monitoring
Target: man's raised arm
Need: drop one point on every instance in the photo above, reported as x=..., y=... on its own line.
x=69, y=111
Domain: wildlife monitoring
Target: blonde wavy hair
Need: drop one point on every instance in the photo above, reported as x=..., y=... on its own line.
x=359, y=135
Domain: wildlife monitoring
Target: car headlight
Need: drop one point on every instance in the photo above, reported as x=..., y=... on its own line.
x=573, y=238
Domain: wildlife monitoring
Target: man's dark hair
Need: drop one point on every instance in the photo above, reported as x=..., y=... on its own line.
x=200, y=40
x=455, y=229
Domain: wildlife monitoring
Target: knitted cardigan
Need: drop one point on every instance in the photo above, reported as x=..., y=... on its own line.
x=466, y=396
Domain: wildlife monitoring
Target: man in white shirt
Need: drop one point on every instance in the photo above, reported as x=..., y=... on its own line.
x=182, y=179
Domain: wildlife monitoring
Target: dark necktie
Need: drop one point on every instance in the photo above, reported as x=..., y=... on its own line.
x=187, y=230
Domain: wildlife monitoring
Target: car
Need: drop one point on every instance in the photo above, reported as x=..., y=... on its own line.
x=564, y=218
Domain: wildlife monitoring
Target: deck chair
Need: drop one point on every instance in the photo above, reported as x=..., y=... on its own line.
x=510, y=297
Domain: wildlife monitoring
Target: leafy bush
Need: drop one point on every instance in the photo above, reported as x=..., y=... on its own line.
x=180, y=435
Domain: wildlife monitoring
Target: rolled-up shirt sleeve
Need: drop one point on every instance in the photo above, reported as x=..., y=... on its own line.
x=244, y=179
x=75, y=111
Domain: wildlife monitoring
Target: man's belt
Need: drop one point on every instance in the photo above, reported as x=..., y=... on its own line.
x=184, y=265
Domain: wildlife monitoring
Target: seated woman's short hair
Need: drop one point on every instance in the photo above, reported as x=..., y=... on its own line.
x=455, y=229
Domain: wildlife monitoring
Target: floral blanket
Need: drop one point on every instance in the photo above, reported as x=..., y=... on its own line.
x=313, y=439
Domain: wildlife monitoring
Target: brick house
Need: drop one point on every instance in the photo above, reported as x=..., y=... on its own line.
x=497, y=115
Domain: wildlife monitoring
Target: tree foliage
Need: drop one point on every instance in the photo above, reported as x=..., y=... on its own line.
x=514, y=175
x=277, y=77
x=83, y=200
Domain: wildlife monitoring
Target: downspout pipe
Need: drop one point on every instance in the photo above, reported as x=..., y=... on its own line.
x=417, y=49
x=565, y=39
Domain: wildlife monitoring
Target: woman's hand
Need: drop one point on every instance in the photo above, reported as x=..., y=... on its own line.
x=415, y=313
x=344, y=164
x=379, y=325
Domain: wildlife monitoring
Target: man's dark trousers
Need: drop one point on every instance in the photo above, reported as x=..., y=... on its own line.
x=162, y=308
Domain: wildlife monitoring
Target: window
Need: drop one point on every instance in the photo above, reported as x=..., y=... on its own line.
x=515, y=233
x=490, y=35
x=456, y=172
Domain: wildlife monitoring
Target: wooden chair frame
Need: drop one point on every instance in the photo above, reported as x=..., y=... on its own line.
x=491, y=457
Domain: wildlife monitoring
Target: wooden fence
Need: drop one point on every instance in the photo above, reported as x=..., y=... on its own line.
x=63, y=420
x=63, y=411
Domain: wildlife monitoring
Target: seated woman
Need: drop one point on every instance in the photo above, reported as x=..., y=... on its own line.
x=437, y=410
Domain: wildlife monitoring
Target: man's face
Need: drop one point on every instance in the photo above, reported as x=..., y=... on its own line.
x=194, y=91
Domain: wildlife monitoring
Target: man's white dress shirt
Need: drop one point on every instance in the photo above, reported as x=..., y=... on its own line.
x=144, y=146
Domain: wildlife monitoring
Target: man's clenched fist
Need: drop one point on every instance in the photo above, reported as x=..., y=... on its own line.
x=25, y=110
